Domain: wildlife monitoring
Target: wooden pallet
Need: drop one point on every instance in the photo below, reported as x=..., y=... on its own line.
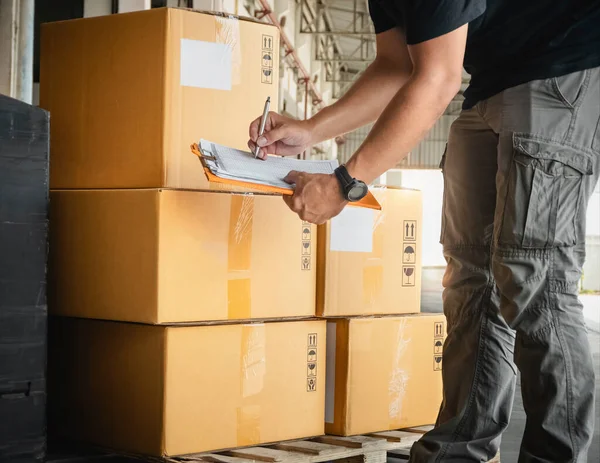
x=371, y=448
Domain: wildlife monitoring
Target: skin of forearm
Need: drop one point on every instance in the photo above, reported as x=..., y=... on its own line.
x=362, y=104
x=404, y=122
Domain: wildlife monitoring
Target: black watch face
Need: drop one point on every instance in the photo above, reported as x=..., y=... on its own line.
x=357, y=192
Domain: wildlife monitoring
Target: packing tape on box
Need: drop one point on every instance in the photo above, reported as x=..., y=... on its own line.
x=373, y=269
x=372, y=287
x=248, y=425
x=253, y=368
x=228, y=33
x=378, y=230
x=239, y=256
x=399, y=377
x=253, y=359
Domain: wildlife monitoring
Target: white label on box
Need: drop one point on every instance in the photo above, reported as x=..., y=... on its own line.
x=330, y=372
x=205, y=64
x=352, y=230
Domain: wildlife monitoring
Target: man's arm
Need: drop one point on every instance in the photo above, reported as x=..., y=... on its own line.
x=371, y=93
x=435, y=80
x=362, y=104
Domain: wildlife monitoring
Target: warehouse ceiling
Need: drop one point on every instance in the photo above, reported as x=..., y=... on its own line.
x=346, y=41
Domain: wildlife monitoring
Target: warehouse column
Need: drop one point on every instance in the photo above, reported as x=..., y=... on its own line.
x=16, y=48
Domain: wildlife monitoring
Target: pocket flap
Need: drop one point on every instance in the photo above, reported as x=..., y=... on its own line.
x=541, y=149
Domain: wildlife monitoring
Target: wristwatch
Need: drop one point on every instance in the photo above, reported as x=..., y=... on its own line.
x=353, y=190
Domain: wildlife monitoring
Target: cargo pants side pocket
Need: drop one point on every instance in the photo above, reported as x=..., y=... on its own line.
x=544, y=194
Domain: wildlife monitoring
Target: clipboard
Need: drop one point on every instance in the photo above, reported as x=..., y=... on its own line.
x=368, y=201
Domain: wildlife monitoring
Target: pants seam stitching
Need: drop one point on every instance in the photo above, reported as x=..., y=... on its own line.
x=474, y=386
x=568, y=375
x=575, y=108
x=567, y=360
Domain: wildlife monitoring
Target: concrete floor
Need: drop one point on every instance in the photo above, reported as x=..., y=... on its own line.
x=432, y=302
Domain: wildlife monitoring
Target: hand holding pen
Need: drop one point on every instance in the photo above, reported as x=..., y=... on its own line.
x=273, y=133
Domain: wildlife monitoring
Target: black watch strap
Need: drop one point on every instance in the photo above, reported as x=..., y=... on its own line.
x=343, y=176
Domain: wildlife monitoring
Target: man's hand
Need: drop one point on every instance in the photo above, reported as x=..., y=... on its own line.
x=317, y=197
x=283, y=136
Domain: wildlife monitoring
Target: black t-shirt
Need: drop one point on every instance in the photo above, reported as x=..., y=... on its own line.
x=510, y=42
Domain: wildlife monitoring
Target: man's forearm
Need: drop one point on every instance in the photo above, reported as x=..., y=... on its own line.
x=405, y=121
x=362, y=104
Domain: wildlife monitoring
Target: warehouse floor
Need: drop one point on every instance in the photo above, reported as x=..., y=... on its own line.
x=432, y=302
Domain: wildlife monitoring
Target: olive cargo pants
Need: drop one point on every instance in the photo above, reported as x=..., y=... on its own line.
x=519, y=169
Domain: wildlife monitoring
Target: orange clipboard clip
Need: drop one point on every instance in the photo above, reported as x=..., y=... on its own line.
x=369, y=201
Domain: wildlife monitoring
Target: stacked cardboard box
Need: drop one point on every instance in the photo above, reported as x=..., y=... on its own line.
x=383, y=356
x=383, y=373
x=183, y=311
x=137, y=236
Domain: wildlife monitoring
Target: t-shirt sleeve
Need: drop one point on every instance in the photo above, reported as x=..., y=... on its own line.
x=381, y=20
x=428, y=19
x=423, y=20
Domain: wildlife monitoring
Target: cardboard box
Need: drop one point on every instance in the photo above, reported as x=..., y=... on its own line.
x=160, y=390
x=383, y=373
x=369, y=262
x=129, y=94
x=171, y=256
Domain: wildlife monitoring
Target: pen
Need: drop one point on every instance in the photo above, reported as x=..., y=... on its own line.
x=263, y=121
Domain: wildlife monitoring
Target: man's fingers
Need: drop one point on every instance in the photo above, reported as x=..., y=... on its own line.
x=288, y=200
x=253, y=129
x=293, y=177
x=262, y=154
x=272, y=136
x=294, y=203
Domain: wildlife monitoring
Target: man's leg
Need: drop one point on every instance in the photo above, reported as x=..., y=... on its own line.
x=548, y=164
x=478, y=370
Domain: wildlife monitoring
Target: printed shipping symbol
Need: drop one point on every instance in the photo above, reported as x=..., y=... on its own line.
x=267, y=42
x=306, y=248
x=409, y=253
x=439, y=330
x=306, y=233
x=267, y=60
x=410, y=230
x=266, y=76
x=408, y=279
x=306, y=263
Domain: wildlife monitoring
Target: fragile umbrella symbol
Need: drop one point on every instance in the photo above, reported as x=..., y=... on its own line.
x=408, y=271
x=410, y=251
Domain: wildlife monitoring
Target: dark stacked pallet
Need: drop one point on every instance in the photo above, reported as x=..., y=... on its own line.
x=24, y=140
